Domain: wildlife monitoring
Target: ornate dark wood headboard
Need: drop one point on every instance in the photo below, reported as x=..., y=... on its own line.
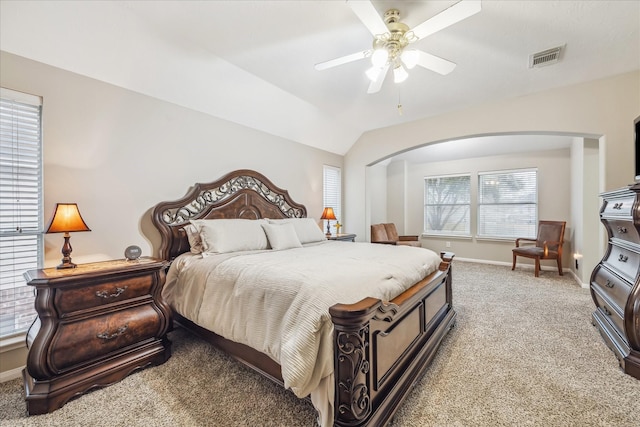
x=242, y=193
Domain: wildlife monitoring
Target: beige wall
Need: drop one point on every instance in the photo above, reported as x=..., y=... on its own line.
x=585, y=207
x=118, y=153
x=377, y=180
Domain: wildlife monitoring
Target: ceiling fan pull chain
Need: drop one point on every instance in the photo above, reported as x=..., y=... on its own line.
x=399, y=104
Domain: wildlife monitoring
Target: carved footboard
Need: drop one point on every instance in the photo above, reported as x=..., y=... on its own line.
x=382, y=348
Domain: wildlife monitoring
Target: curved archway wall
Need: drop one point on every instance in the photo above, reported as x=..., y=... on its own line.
x=604, y=108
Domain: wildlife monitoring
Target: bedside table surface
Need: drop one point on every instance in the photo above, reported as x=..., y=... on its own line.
x=342, y=236
x=120, y=265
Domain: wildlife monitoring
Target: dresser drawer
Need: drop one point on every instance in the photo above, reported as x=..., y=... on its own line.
x=610, y=313
x=623, y=261
x=623, y=229
x=75, y=299
x=619, y=206
x=88, y=340
x=616, y=288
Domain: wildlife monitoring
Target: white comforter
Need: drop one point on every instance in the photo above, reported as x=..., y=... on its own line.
x=278, y=302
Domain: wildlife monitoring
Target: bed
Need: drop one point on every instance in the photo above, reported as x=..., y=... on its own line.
x=366, y=352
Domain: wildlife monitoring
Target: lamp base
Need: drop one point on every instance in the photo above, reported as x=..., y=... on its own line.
x=66, y=254
x=66, y=265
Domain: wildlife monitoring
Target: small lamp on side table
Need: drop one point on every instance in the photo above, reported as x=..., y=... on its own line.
x=67, y=218
x=328, y=215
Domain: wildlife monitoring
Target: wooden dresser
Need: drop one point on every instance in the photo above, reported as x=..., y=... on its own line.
x=615, y=282
x=96, y=324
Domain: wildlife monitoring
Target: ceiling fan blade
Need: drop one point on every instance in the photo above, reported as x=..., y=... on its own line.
x=342, y=60
x=369, y=16
x=435, y=63
x=377, y=83
x=456, y=13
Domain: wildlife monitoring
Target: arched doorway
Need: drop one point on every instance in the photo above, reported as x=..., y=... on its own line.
x=569, y=182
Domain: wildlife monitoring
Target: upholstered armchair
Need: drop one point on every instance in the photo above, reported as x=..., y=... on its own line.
x=387, y=234
x=548, y=245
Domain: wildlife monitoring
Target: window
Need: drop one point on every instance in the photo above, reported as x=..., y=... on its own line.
x=20, y=206
x=447, y=202
x=332, y=191
x=508, y=203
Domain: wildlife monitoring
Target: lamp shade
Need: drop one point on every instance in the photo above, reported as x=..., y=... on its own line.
x=328, y=214
x=400, y=74
x=67, y=218
x=379, y=57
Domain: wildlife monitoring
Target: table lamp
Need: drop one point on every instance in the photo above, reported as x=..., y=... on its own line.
x=328, y=215
x=66, y=219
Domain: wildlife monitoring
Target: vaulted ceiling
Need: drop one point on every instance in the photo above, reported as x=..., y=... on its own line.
x=252, y=62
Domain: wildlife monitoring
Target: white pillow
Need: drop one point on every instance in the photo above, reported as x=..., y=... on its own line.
x=306, y=228
x=281, y=236
x=231, y=235
x=195, y=241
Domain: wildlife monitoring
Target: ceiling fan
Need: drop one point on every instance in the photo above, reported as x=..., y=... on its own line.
x=391, y=39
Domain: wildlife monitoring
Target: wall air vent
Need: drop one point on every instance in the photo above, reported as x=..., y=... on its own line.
x=546, y=57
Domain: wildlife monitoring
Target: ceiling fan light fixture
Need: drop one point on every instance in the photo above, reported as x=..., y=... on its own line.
x=379, y=57
x=399, y=74
x=409, y=58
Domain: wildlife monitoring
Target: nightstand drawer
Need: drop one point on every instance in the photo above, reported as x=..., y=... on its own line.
x=70, y=300
x=90, y=339
x=615, y=287
x=623, y=261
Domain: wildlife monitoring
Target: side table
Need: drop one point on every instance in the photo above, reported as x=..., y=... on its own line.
x=96, y=324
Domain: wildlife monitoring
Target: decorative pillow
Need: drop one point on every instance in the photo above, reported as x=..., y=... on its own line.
x=281, y=236
x=231, y=235
x=195, y=241
x=306, y=228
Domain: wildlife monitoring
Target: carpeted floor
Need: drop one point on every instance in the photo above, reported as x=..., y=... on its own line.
x=523, y=353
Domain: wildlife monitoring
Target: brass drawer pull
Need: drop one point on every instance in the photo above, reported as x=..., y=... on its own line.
x=107, y=336
x=622, y=230
x=623, y=258
x=116, y=294
x=609, y=284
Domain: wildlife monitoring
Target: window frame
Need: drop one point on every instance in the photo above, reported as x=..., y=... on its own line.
x=524, y=231
x=11, y=145
x=332, y=199
x=447, y=233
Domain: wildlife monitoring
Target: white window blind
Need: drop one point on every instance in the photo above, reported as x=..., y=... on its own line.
x=508, y=203
x=332, y=192
x=447, y=202
x=20, y=206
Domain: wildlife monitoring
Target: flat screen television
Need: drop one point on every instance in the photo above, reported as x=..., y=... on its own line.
x=636, y=123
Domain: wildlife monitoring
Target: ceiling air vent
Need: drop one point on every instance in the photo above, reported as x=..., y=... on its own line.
x=546, y=57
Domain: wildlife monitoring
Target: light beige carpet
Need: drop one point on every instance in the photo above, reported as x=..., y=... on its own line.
x=523, y=353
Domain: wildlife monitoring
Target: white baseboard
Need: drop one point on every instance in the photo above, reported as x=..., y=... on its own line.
x=11, y=374
x=527, y=266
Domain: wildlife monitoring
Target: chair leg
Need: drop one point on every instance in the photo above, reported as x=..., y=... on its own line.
x=560, y=266
x=537, y=267
x=513, y=267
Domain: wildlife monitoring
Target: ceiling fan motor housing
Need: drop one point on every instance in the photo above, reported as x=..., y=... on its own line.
x=396, y=39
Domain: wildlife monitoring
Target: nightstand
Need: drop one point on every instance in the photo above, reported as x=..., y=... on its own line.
x=96, y=324
x=343, y=237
